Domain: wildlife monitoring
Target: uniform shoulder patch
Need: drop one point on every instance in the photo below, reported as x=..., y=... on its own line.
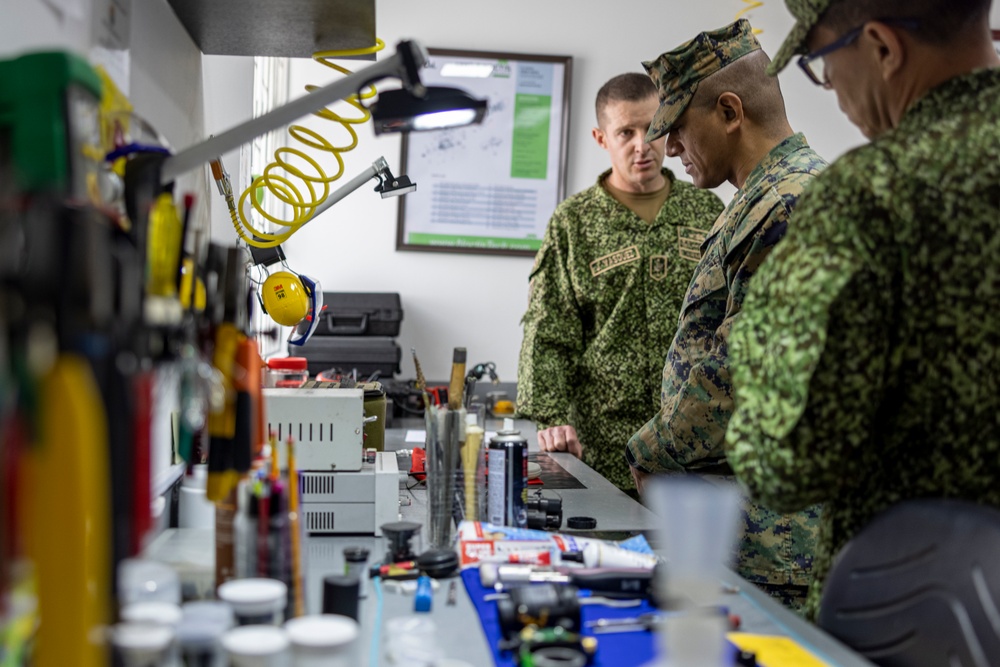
x=689, y=240
x=615, y=259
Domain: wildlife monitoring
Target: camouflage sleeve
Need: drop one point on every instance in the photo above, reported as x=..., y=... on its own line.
x=808, y=355
x=689, y=430
x=553, y=333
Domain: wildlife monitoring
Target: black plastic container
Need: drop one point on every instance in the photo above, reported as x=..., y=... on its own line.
x=367, y=354
x=360, y=314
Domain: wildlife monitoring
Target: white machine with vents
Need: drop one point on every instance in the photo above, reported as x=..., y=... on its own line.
x=340, y=491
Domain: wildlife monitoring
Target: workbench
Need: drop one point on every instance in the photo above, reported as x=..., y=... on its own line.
x=458, y=631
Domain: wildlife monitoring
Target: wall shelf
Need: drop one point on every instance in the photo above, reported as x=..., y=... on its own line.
x=281, y=28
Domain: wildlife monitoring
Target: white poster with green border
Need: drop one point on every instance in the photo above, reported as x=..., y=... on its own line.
x=490, y=187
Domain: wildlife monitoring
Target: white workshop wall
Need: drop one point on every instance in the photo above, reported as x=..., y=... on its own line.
x=477, y=301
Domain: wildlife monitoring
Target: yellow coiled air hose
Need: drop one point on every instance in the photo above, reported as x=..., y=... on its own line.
x=301, y=188
x=751, y=5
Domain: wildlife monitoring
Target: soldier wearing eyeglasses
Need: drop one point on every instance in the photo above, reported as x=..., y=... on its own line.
x=866, y=366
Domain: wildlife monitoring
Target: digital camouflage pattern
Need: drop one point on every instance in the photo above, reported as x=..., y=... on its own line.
x=605, y=292
x=807, y=14
x=866, y=360
x=677, y=73
x=688, y=432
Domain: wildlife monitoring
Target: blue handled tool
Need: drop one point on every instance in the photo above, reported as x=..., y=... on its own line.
x=424, y=596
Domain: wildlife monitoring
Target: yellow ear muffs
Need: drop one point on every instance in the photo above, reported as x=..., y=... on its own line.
x=285, y=299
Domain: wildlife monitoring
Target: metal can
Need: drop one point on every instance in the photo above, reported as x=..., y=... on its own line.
x=507, y=480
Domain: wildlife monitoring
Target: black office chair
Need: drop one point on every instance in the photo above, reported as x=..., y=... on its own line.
x=920, y=586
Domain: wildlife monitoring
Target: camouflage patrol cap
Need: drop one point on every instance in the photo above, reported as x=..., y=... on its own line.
x=677, y=73
x=807, y=14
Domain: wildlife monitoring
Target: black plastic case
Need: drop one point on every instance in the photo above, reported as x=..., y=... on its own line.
x=360, y=314
x=367, y=354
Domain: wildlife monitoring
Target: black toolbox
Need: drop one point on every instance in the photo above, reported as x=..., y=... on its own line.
x=360, y=314
x=366, y=354
x=356, y=332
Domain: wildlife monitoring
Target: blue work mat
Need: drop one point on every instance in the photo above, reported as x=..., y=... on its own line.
x=613, y=649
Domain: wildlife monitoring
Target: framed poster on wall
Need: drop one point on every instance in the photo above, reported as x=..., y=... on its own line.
x=489, y=188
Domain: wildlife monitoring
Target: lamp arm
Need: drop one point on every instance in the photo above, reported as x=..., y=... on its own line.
x=409, y=57
x=377, y=167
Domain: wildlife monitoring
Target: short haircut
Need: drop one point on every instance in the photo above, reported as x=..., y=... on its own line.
x=747, y=78
x=940, y=21
x=628, y=87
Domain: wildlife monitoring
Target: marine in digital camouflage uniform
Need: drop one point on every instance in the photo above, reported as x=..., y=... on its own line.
x=866, y=360
x=771, y=166
x=605, y=292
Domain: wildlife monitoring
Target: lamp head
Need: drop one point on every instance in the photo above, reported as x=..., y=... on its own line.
x=439, y=108
x=391, y=186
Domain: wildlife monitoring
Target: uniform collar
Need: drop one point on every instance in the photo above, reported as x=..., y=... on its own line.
x=667, y=174
x=774, y=157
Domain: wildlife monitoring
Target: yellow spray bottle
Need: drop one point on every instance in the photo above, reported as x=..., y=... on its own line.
x=163, y=247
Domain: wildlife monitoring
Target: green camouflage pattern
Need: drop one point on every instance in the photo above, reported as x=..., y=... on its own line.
x=605, y=292
x=688, y=432
x=807, y=14
x=677, y=73
x=865, y=363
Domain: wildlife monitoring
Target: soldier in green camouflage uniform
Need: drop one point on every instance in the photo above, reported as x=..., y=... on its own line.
x=725, y=119
x=606, y=289
x=865, y=364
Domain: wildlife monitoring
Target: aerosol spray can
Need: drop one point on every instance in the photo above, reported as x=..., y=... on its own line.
x=507, y=482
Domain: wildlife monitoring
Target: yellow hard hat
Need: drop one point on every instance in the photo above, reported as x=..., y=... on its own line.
x=285, y=299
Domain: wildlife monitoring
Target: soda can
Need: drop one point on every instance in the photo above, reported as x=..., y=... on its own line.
x=507, y=479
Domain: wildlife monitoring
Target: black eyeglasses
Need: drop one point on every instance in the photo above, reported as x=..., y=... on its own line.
x=811, y=62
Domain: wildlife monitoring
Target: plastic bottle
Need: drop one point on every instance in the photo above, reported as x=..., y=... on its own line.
x=163, y=249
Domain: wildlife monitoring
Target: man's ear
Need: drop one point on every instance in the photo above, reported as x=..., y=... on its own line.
x=599, y=137
x=886, y=47
x=729, y=107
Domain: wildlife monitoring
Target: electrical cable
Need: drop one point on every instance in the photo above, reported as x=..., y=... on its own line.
x=304, y=187
x=377, y=587
x=751, y=5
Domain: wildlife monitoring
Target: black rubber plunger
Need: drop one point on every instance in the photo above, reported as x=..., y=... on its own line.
x=438, y=563
x=398, y=534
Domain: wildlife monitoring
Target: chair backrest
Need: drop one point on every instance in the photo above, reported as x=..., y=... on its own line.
x=920, y=586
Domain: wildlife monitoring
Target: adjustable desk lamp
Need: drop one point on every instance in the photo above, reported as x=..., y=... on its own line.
x=415, y=107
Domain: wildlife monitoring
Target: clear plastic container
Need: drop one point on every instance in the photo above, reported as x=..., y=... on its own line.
x=143, y=644
x=325, y=640
x=286, y=372
x=255, y=601
x=200, y=631
x=142, y=580
x=151, y=612
x=257, y=646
